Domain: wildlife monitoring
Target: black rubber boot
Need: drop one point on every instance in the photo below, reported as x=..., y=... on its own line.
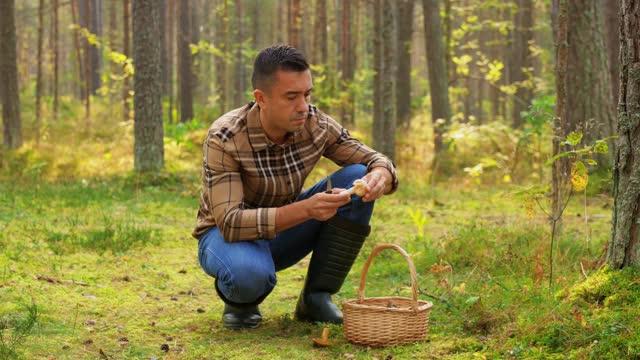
x=237, y=316
x=337, y=247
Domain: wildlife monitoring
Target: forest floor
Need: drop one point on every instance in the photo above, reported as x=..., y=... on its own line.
x=99, y=263
x=107, y=269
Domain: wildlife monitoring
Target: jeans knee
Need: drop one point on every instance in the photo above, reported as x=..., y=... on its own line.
x=357, y=171
x=245, y=284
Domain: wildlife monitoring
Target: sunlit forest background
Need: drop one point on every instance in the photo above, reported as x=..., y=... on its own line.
x=503, y=117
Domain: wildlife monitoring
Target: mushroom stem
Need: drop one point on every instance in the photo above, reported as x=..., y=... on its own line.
x=325, y=334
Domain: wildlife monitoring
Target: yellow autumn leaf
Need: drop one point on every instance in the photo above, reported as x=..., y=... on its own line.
x=579, y=180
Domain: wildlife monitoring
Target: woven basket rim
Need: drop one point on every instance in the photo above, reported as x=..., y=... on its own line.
x=358, y=303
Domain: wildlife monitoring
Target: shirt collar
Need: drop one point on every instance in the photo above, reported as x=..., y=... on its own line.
x=257, y=136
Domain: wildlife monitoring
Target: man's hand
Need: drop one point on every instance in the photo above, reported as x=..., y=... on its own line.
x=323, y=206
x=379, y=182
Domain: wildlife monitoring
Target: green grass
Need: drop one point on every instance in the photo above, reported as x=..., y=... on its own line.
x=99, y=263
x=126, y=281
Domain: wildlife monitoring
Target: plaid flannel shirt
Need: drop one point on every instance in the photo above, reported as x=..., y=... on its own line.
x=245, y=176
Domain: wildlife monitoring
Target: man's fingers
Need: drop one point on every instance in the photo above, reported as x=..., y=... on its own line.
x=337, y=196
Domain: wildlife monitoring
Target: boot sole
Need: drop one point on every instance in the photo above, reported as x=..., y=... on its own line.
x=235, y=326
x=310, y=319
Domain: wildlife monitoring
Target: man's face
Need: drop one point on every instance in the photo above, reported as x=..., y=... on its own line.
x=285, y=105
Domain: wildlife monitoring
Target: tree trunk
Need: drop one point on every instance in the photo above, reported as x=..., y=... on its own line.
x=561, y=124
x=258, y=25
x=164, y=77
x=388, y=110
x=448, y=35
x=436, y=66
x=282, y=26
x=91, y=19
x=497, y=53
x=404, y=24
x=240, y=76
x=346, y=65
x=86, y=15
x=76, y=43
x=39, y=71
x=384, y=138
x=112, y=33
x=126, y=50
x=624, y=249
x=9, y=93
x=320, y=36
x=184, y=62
x=610, y=9
x=378, y=117
x=588, y=77
x=196, y=66
x=521, y=59
x=171, y=36
x=220, y=62
x=56, y=58
x=148, y=147
x=295, y=21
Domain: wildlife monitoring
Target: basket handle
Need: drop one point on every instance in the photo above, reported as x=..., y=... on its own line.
x=412, y=270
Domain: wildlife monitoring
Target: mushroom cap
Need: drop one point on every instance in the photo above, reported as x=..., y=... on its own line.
x=320, y=342
x=359, y=187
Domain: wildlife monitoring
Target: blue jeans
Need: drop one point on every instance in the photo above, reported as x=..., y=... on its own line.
x=245, y=271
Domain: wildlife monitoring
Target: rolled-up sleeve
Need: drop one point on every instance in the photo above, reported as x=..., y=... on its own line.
x=225, y=195
x=344, y=150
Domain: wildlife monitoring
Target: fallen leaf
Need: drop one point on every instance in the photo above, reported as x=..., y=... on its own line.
x=349, y=356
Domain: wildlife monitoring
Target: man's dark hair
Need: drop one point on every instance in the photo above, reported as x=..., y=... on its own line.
x=274, y=58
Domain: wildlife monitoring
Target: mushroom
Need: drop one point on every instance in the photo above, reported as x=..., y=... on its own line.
x=324, y=340
x=359, y=187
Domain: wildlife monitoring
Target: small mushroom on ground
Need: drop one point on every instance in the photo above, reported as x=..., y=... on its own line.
x=359, y=187
x=324, y=340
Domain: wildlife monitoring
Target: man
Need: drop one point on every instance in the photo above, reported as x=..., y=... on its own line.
x=254, y=219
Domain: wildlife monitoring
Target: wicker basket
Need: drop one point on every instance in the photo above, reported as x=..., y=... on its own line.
x=386, y=321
